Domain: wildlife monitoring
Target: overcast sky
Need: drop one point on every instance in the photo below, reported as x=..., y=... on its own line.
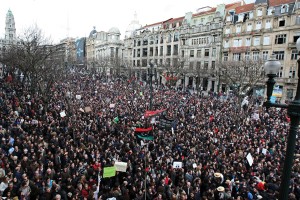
x=76, y=18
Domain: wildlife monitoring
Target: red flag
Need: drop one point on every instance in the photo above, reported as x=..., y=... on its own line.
x=143, y=129
x=150, y=113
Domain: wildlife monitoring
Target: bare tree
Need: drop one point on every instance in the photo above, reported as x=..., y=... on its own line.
x=103, y=63
x=41, y=63
x=242, y=76
x=175, y=71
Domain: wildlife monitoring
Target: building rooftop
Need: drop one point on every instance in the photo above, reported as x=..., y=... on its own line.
x=261, y=1
x=244, y=8
x=273, y=3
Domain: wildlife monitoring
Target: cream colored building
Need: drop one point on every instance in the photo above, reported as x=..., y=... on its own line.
x=158, y=42
x=188, y=47
x=201, y=45
x=104, y=51
x=257, y=30
x=70, y=51
x=9, y=37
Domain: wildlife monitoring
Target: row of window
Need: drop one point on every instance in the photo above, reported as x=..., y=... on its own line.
x=258, y=26
x=256, y=55
x=206, y=53
x=155, y=51
x=201, y=40
x=279, y=39
x=259, y=12
x=206, y=66
x=155, y=40
x=265, y=54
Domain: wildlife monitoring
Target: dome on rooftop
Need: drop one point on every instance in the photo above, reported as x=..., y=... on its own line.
x=134, y=25
x=114, y=30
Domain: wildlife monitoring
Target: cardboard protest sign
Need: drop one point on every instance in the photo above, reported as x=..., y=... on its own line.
x=153, y=121
x=255, y=116
x=88, y=109
x=121, y=166
x=264, y=151
x=112, y=105
x=249, y=159
x=194, y=165
x=177, y=165
x=78, y=97
x=109, y=172
x=62, y=114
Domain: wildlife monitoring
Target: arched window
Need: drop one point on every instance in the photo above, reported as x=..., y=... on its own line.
x=284, y=8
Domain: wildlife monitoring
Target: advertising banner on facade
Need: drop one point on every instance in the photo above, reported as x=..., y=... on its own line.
x=277, y=91
x=80, y=50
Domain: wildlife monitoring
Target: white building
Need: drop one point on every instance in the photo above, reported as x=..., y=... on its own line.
x=9, y=37
x=104, y=51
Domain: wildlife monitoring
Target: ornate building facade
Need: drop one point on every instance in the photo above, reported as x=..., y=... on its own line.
x=201, y=44
x=104, y=51
x=257, y=30
x=9, y=37
x=187, y=48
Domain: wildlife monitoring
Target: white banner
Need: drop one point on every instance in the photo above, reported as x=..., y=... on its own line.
x=177, y=165
x=121, y=166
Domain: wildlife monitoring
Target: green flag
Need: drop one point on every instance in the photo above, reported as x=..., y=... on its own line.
x=109, y=172
x=116, y=120
x=146, y=137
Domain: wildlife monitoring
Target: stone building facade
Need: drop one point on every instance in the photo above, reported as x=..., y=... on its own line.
x=9, y=37
x=104, y=51
x=187, y=48
x=257, y=30
x=201, y=45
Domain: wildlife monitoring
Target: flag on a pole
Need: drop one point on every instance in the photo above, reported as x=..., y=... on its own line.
x=116, y=120
x=143, y=129
x=146, y=137
x=109, y=172
x=150, y=113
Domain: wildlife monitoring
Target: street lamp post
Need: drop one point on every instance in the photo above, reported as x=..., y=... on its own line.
x=272, y=67
x=151, y=72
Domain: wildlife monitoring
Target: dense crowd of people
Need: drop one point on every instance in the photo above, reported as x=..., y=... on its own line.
x=48, y=155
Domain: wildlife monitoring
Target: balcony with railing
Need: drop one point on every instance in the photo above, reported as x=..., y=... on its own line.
x=239, y=49
x=201, y=28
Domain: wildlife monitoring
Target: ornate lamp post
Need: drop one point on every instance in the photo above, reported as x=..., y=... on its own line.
x=272, y=67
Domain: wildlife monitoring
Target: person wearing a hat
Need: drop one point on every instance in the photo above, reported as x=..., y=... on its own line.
x=220, y=193
x=219, y=177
